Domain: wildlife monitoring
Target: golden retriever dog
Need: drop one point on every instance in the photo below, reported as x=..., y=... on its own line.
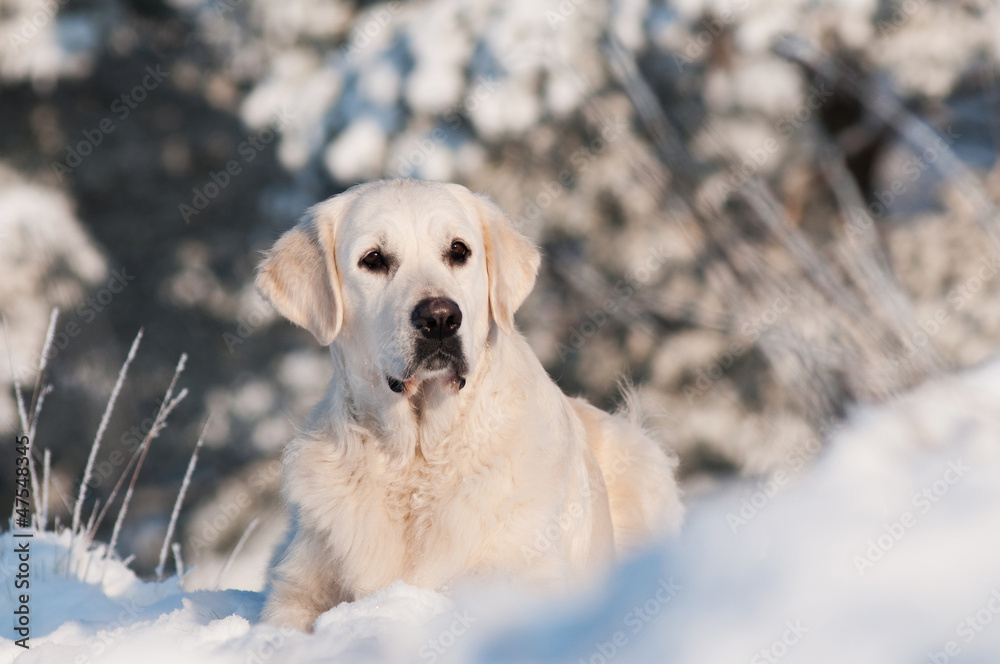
x=442, y=451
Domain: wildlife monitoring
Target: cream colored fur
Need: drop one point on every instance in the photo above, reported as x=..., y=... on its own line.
x=505, y=476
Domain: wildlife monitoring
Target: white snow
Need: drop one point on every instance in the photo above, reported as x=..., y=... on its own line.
x=883, y=550
x=56, y=262
x=39, y=44
x=358, y=152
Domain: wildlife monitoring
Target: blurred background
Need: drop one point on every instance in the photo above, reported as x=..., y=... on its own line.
x=764, y=212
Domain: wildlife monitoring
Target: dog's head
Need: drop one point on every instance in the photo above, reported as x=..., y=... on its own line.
x=408, y=277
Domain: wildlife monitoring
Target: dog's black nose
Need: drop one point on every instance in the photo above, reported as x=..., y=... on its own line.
x=436, y=317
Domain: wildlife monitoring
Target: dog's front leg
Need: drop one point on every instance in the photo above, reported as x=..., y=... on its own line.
x=305, y=584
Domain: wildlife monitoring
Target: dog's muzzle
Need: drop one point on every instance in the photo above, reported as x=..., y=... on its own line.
x=438, y=345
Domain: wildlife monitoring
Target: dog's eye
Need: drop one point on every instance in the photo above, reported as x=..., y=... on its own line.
x=458, y=253
x=374, y=261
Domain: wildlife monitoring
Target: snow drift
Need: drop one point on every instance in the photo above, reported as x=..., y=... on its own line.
x=884, y=550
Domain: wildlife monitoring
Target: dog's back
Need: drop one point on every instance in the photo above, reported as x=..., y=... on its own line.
x=638, y=474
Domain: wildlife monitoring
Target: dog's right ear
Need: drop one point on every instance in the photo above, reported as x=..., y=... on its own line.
x=299, y=274
x=511, y=259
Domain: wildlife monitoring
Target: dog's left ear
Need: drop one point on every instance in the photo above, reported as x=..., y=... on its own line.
x=299, y=274
x=511, y=260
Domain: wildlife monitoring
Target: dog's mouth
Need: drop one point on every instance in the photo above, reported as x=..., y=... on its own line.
x=411, y=384
x=441, y=363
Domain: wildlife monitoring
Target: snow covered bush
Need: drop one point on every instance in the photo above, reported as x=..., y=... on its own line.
x=724, y=188
x=40, y=42
x=49, y=261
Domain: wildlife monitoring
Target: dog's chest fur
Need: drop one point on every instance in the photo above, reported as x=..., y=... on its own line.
x=438, y=513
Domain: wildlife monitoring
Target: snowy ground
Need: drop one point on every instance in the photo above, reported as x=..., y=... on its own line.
x=886, y=550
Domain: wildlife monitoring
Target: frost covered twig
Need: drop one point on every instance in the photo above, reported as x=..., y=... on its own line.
x=865, y=259
x=43, y=519
x=114, y=494
x=86, y=549
x=159, y=422
x=180, y=499
x=178, y=561
x=43, y=361
x=236, y=550
x=75, y=525
x=37, y=399
x=36, y=411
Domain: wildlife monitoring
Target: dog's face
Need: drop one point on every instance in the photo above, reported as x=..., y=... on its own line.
x=406, y=276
